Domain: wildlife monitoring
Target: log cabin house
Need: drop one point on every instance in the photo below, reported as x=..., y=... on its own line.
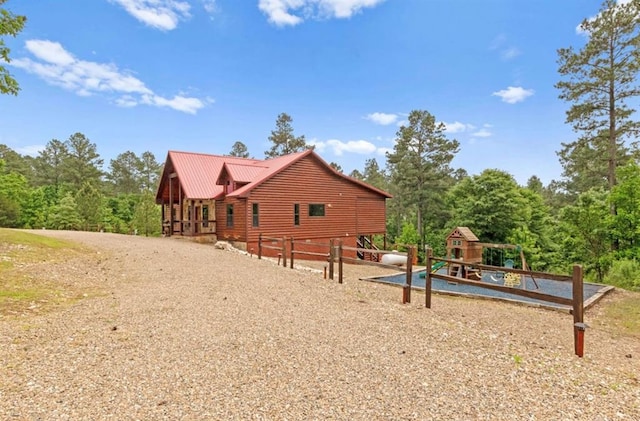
x=237, y=199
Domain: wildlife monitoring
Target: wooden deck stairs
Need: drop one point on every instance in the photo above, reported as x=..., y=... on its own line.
x=364, y=242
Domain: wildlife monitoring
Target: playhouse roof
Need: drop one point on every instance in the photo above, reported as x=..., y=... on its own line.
x=463, y=232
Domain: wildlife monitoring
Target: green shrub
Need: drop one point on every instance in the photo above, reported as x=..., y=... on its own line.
x=624, y=274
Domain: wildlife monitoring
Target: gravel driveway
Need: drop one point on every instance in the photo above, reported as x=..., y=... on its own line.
x=184, y=331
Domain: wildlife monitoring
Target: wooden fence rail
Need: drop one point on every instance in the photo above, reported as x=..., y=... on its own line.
x=406, y=288
x=282, y=247
x=327, y=255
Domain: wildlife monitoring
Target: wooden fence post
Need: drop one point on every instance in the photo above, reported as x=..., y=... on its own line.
x=332, y=257
x=427, y=279
x=406, y=290
x=291, y=260
x=340, y=251
x=578, y=311
x=284, y=251
x=260, y=246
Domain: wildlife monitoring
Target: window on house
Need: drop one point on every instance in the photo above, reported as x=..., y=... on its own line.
x=205, y=216
x=316, y=209
x=230, y=216
x=296, y=214
x=255, y=215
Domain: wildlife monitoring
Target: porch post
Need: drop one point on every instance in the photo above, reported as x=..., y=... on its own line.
x=192, y=219
x=181, y=204
x=170, y=205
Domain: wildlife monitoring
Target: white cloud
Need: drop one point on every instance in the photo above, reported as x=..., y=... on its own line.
x=482, y=133
x=353, y=146
x=514, y=94
x=58, y=67
x=509, y=53
x=401, y=123
x=383, y=119
x=457, y=127
x=500, y=44
x=210, y=6
x=178, y=102
x=159, y=14
x=281, y=12
x=339, y=147
x=277, y=11
x=51, y=52
x=126, y=101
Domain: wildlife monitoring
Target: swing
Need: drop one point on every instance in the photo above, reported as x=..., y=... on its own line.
x=499, y=275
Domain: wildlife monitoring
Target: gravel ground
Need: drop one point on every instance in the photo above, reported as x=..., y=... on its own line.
x=186, y=331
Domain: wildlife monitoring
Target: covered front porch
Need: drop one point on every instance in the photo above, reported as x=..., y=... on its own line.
x=189, y=217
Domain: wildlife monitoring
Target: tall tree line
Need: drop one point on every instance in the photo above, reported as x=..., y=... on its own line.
x=65, y=187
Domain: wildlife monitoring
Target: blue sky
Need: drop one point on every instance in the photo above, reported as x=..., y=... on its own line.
x=198, y=75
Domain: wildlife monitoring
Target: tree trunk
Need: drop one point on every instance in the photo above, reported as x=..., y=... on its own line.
x=615, y=244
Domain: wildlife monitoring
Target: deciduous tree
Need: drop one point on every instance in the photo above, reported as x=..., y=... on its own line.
x=64, y=216
x=490, y=204
x=11, y=25
x=13, y=189
x=585, y=232
x=625, y=196
x=147, y=215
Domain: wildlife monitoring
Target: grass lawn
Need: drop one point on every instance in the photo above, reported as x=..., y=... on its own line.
x=29, y=279
x=622, y=314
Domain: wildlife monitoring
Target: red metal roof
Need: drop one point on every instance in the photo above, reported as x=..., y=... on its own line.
x=199, y=173
x=244, y=173
x=273, y=166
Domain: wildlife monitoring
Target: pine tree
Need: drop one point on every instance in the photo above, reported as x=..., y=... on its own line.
x=599, y=82
x=82, y=163
x=124, y=173
x=419, y=168
x=239, y=150
x=283, y=140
